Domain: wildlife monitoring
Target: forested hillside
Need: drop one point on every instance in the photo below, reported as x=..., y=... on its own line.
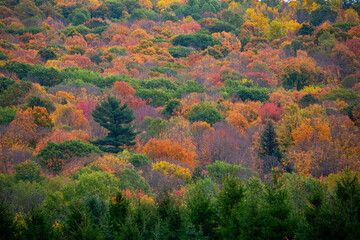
x=175, y=119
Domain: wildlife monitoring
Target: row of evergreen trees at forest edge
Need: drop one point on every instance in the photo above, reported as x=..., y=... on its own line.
x=291, y=207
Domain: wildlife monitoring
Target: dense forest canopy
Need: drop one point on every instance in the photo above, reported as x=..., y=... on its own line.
x=175, y=119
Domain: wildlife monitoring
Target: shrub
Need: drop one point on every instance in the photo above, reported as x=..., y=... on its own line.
x=77, y=50
x=21, y=69
x=5, y=83
x=7, y=115
x=171, y=107
x=159, y=83
x=322, y=14
x=28, y=171
x=306, y=29
x=96, y=183
x=139, y=160
x=220, y=26
x=342, y=94
x=252, y=94
x=349, y=110
x=3, y=56
x=180, y=52
x=307, y=100
x=204, y=111
x=197, y=40
x=55, y=155
x=154, y=96
x=344, y=26
x=47, y=54
x=130, y=179
x=220, y=170
x=168, y=71
x=45, y=76
x=172, y=170
x=14, y=93
x=189, y=87
x=350, y=81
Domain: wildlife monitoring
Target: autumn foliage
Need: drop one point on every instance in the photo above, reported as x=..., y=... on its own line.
x=247, y=113
x=158, y=149
x=219, y=119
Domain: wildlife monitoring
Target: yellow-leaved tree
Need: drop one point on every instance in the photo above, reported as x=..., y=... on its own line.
x=261, y=22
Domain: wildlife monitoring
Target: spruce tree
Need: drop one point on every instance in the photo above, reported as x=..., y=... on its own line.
x=269, y=148
x=116, y=118
x=268, y=143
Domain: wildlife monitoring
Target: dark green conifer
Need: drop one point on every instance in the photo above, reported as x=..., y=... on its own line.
x=116, y=118
x=269, y=150
x=269, y=145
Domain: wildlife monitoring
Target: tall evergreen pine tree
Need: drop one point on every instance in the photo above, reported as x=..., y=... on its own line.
x=117, y=119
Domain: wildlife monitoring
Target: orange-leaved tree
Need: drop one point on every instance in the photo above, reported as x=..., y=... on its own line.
x=125, y=93
x=70, y=116
x=158, y=149
x=26, y=123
